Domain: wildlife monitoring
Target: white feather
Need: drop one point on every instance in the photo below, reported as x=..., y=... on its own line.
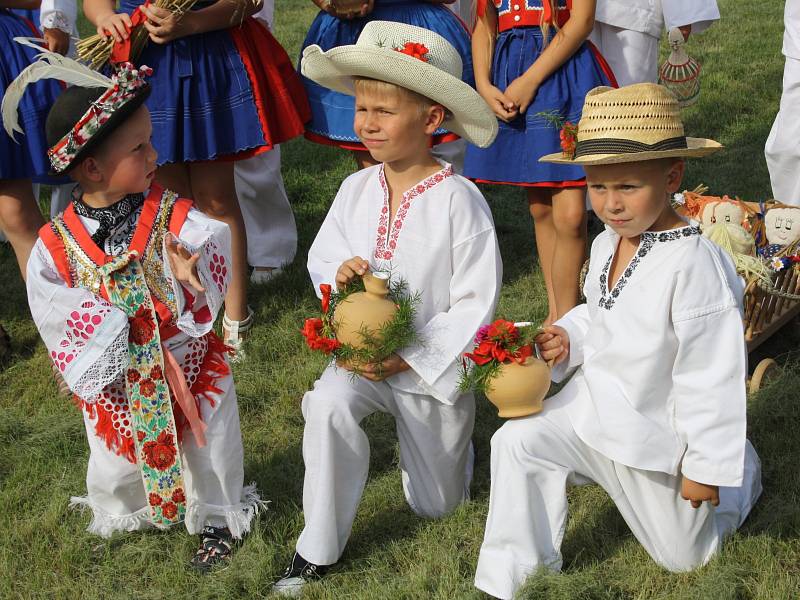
x=48, y=65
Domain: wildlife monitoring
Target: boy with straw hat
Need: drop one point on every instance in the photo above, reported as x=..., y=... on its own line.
x=655, y=411
x=413, y=216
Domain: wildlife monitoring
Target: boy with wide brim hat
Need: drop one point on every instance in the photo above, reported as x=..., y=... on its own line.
x=124, y=287
x=413, y=216
x=655, y=410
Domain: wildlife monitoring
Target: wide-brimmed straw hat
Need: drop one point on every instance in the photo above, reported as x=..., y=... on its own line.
x=413, y=58
x=629, y=124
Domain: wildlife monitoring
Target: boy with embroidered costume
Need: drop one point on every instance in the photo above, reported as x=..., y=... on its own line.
x=655, y=411
x=430, y=227
x=124, y=287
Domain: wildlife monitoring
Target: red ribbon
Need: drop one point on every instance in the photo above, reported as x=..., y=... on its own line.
x=183, y=396
x=121, y=52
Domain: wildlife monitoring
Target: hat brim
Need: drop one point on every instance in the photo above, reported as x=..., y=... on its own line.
x=695, y=148
x=107, y=128
x=471, y=119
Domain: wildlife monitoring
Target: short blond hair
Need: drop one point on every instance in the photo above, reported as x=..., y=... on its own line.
x=385, y=88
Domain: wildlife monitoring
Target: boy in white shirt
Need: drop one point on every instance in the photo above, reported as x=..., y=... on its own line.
x=655, y=411
x=412, y=215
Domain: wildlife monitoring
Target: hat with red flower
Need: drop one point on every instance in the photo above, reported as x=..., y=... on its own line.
x=411, y=57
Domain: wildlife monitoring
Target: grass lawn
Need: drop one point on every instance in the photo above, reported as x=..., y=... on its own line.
x=45, y=552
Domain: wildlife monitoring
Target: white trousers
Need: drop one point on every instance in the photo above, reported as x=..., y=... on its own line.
x=268, y=217
x=213, y=476
x=435, y=455
x=632, y=55
x=782, y=149
x=533, y=461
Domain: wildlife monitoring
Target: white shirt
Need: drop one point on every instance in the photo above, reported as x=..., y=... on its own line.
x=651, y=16
x=441, y=242
x=791, y=34
x=662, y=358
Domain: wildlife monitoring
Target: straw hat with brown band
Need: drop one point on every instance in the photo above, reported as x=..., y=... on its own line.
x=629, y=124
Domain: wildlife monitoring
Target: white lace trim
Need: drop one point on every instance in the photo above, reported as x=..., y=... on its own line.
x=105, y=370
x=237, y=517
x=105, y=524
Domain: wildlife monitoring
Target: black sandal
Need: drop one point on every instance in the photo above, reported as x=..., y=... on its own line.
x=216, y=548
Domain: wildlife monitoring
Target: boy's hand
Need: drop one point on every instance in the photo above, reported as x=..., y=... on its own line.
x=116, y=25
x=502, y=106
x=57, y=41
x=183, y=264
x=163, y=25
x=521, y=92
x=697, y=493
x=379, y=371
x=349, y=270
x=553, y=344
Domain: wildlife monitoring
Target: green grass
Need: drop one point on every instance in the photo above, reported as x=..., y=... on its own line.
x=45, y=552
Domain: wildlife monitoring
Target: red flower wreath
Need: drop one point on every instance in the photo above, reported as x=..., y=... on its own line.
x=418, y=51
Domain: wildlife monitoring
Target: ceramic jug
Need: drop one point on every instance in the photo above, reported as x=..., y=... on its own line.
x=368, y=310
x=519, y=389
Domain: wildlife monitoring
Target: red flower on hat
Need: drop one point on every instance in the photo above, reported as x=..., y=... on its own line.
x=418, y=51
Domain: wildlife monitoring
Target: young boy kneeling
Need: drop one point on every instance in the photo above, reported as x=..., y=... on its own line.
x=430, y=227
x=655, y=411
x=124, y=287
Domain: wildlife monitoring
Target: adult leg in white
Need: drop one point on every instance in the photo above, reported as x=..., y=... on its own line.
x=435, y=454
x=782, y=150
x=268, y=218
x=632, y=55
x=535, y=458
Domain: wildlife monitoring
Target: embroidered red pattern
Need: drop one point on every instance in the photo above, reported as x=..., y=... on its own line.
x=385, y=245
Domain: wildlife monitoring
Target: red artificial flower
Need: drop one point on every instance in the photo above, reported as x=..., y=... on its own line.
x=523, y=353
x=178, y=496
x=325, y=288
x=169, y=510
x=418, y=51
x=133, y=376
x=503, y=331
x=160, y=454
x=147, y=388
x=311, y=331
x=142, y=327
x=154, y=499
x=157, y=372
x=569, y=139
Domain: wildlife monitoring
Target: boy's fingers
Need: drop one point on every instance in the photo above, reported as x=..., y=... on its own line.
x=696, y=503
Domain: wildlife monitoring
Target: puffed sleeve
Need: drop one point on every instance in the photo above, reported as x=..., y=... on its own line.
x=709, y=395
x=474, y=289
x=86, y=337
x=211, y=239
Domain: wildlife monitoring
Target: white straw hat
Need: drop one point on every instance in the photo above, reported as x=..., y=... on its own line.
x=629, y=124
x=413, y=58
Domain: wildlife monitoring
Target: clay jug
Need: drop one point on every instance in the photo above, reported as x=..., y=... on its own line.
x=364, y=310
x=519, y=389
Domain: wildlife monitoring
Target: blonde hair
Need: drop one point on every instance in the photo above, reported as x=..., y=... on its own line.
x=385, y=88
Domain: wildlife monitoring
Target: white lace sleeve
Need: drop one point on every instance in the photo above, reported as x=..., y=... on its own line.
x=212, y=240
x=86, y=337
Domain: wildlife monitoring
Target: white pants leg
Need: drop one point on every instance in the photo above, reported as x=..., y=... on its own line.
x=782, y=150
x=435, y=456
x=533, y=460
x=213, y=478
x=268, y=218
x=632, y=55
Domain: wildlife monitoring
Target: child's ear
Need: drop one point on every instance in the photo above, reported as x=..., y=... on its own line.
x=90, y=169
x=675, y=175
x=435, y=118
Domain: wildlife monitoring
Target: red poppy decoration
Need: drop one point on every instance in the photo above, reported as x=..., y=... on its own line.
x=143, y=326
x=160, y=455
x=569, y=139
x=418, y=51
x=312, y=332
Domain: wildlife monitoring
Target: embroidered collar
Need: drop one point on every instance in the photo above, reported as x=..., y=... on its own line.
x=386, y=240
x=647, y=240
x=109, y=217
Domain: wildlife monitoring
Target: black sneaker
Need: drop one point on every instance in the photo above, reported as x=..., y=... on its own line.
x=215, y=551
x=298, y=573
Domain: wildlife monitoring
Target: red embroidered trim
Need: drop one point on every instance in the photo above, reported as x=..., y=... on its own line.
x=386, y=241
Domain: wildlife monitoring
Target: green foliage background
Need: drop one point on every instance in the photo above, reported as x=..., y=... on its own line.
x=45, y=552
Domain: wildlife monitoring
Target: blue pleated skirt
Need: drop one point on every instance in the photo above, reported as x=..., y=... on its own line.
x=26, y=159
x=333, y=112
x=513, y=158
x=222, y=95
